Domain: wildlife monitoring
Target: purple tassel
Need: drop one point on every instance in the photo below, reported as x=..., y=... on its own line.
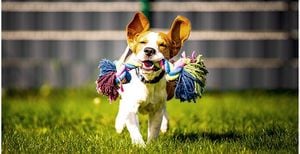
x=106, y=86
x=105, y=83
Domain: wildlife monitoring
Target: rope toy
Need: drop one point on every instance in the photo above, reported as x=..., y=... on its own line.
x=188, y=72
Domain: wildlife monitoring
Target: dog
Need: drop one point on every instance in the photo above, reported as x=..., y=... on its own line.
x=148, y=90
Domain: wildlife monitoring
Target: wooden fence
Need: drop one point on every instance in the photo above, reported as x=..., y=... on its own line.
x=246, y=45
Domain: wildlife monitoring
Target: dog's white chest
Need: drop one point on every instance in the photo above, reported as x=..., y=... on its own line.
x=144, y=97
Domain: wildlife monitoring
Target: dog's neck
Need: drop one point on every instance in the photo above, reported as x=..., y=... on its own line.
x=150, y=78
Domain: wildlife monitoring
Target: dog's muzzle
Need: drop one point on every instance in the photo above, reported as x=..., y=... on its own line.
x=150, y=67
x=149, y=51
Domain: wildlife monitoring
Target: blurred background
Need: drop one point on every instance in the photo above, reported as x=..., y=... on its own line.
x=246, y=44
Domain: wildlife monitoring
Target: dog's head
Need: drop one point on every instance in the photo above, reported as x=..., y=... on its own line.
x=151, y=47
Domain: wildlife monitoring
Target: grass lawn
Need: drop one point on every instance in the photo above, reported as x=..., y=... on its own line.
x=80, y=121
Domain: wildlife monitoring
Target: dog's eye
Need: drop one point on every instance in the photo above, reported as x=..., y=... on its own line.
x=142, y=42
x=163, y=45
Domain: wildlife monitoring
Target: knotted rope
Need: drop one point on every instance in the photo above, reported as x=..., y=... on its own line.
x=190, y=73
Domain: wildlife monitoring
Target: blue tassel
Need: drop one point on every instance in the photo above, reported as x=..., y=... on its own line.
x=106, y=66
x=191, y=82
x=185, y=87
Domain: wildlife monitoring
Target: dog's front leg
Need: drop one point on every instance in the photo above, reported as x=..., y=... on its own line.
x=132, y=124
x=164, y=123
x=154, y=124
x=127, y=115
x=122, y=116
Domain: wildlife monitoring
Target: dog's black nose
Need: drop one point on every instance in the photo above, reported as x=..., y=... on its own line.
x=149, y=51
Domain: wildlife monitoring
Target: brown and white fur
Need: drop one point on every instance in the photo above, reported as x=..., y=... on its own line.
x=148, y=98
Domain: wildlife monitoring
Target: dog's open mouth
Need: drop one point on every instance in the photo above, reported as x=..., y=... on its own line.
x=150, y=66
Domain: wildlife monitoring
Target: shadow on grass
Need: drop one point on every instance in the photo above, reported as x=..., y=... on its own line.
x=212, y=136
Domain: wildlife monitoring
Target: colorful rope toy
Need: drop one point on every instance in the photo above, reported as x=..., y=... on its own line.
x=189, y=73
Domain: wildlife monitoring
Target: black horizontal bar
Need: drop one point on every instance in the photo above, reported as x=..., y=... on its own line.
x=259, y=21
x=92, y=50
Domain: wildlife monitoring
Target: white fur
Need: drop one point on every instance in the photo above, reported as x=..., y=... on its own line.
x=144, y=98
x=152, y=42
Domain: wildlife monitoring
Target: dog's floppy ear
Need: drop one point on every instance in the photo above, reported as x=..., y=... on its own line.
x=179, y=32
x=138, y=24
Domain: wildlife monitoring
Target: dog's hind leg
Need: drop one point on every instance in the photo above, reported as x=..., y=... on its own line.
x=164, y=123
x=154, y=124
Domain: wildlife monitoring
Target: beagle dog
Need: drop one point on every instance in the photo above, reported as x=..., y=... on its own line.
x=148, y=90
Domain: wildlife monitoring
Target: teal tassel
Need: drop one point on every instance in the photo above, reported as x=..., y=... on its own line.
x=191, y=82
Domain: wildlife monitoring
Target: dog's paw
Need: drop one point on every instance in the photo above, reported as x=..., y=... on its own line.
x=164, y=127
x=139, y=143
x=119, y=129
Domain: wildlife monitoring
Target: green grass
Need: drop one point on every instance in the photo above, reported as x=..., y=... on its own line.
x=69, y=121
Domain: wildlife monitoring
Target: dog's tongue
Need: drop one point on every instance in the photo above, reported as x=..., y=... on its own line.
x=148, y=63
